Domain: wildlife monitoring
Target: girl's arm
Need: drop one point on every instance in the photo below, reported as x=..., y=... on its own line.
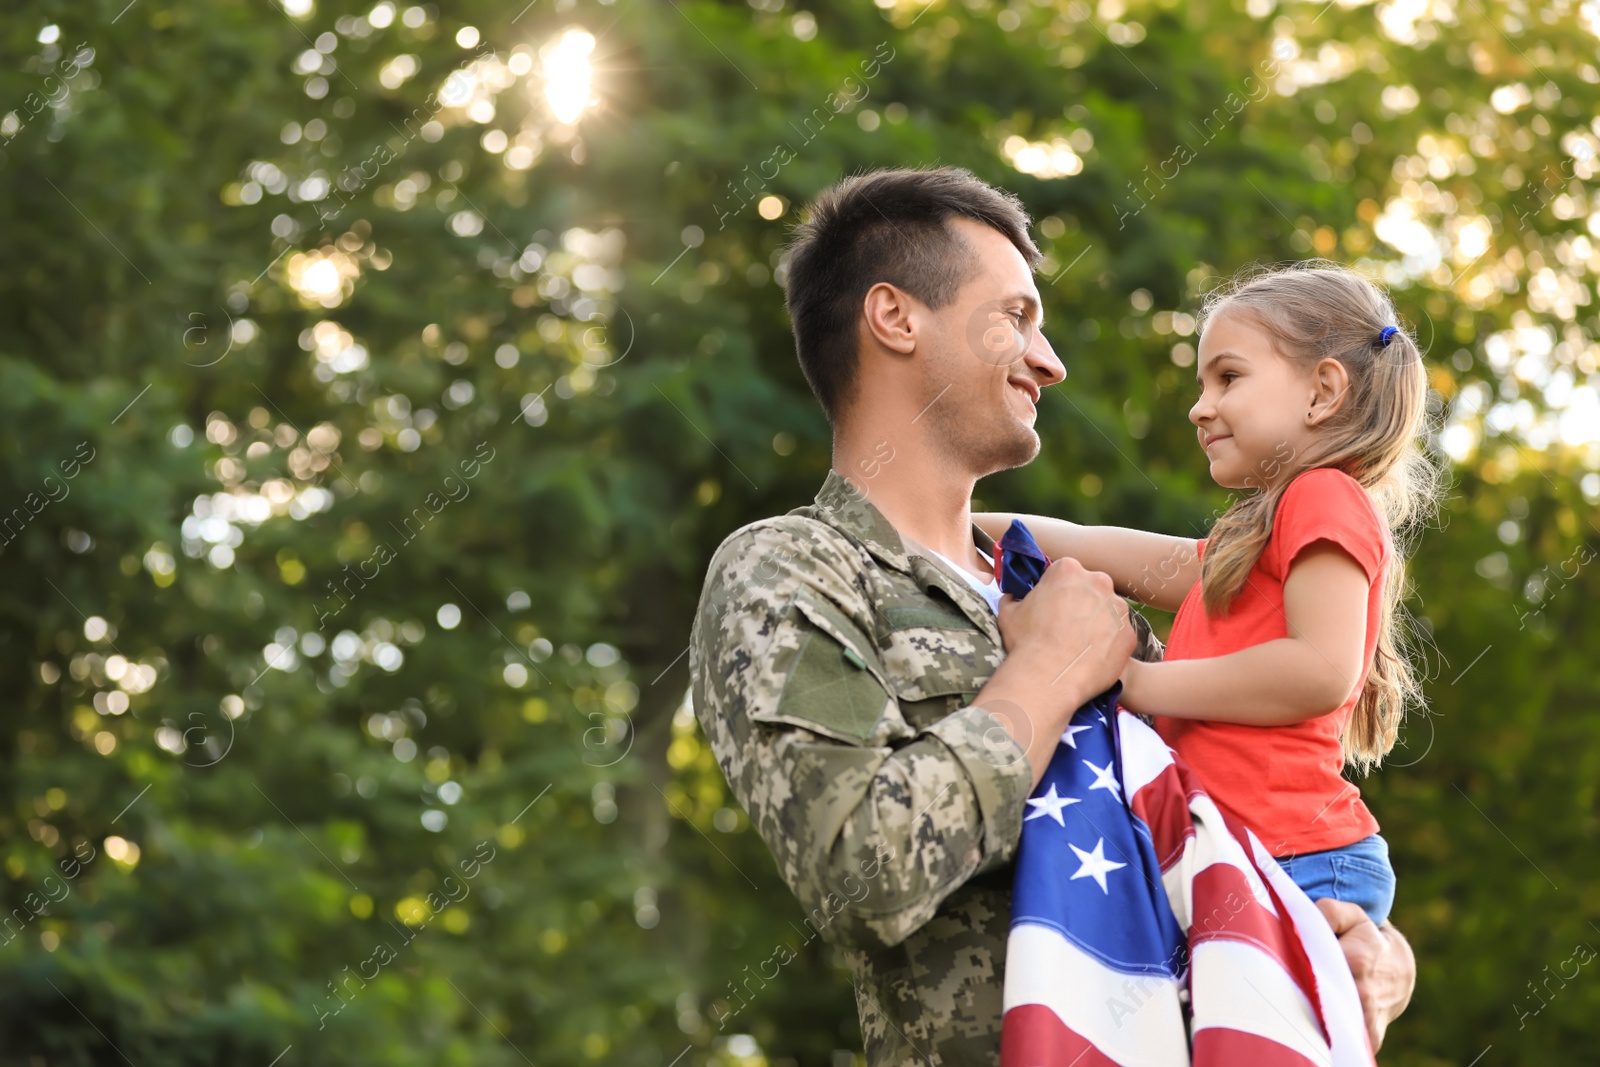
x=1309, y=673
x=1152, y=568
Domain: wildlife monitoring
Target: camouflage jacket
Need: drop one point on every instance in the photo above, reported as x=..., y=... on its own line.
x=833, y=672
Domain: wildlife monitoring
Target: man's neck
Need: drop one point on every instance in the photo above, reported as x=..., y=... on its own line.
x=925, y=499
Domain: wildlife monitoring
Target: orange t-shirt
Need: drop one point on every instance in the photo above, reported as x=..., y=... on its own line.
x=1284, y=782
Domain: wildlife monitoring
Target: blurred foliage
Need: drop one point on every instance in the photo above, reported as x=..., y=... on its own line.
x=371, y=428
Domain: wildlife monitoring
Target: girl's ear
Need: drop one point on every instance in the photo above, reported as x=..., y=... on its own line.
x=1329, y=383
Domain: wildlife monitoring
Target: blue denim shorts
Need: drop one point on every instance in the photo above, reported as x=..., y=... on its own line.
x=1358, y=873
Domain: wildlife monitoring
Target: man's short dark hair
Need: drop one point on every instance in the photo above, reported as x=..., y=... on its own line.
x=885, y=226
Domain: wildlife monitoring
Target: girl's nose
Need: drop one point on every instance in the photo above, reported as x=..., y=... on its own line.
x=1200, y=410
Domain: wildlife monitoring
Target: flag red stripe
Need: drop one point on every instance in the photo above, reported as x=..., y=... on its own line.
x=1163, y=804
x=1216, y=1046
x=1034, y=1036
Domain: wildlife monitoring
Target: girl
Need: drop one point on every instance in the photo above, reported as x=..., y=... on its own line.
x=1284, y=659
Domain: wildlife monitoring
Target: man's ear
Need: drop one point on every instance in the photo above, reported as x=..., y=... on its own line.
x=1329, y=384
x=890, y=314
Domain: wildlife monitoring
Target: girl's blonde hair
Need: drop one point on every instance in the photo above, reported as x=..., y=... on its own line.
x=1313, y=311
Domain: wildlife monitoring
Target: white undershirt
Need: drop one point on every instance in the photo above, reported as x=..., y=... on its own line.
x=990, y=590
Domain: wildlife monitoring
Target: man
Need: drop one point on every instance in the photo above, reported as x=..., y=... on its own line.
x=879, y=710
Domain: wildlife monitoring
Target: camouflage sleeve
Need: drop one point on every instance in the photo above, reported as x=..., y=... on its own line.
x=872, y=822
x=1149, y=647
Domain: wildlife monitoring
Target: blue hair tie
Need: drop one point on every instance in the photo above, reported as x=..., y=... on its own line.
x=1386, y=335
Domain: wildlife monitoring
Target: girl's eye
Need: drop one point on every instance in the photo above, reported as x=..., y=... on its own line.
x=1228, y=376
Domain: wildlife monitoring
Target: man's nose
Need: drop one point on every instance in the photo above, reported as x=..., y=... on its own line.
x=1042, y=359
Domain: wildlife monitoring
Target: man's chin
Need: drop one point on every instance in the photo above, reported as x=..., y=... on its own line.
x=1017, y=451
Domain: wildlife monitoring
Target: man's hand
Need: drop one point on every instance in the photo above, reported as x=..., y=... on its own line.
x=1066, y=642
x=1073, y=624
x=1381, y=961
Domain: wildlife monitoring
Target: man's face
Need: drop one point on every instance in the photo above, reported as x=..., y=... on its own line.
x=987, y=361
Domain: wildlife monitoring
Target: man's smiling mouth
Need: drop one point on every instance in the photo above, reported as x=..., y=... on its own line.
x=1028, y=389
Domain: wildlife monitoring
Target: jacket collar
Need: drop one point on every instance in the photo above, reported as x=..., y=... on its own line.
x=846, y=508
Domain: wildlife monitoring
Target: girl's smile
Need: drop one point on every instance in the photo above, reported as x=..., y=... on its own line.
x=1257, y=409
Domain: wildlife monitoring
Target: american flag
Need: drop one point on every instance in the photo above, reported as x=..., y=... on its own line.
x=1148, y=929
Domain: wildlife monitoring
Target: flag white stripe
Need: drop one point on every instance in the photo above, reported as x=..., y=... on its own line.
x=1241, y=987
x=1138, y=1024
x=1144, y=754
x=1178, y=883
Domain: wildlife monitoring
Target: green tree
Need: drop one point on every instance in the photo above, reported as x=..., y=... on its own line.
x=409, y=364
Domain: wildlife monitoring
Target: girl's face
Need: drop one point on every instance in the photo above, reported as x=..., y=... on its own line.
x=1253, y=405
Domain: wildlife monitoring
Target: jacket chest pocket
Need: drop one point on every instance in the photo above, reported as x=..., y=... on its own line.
x=934, y=656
